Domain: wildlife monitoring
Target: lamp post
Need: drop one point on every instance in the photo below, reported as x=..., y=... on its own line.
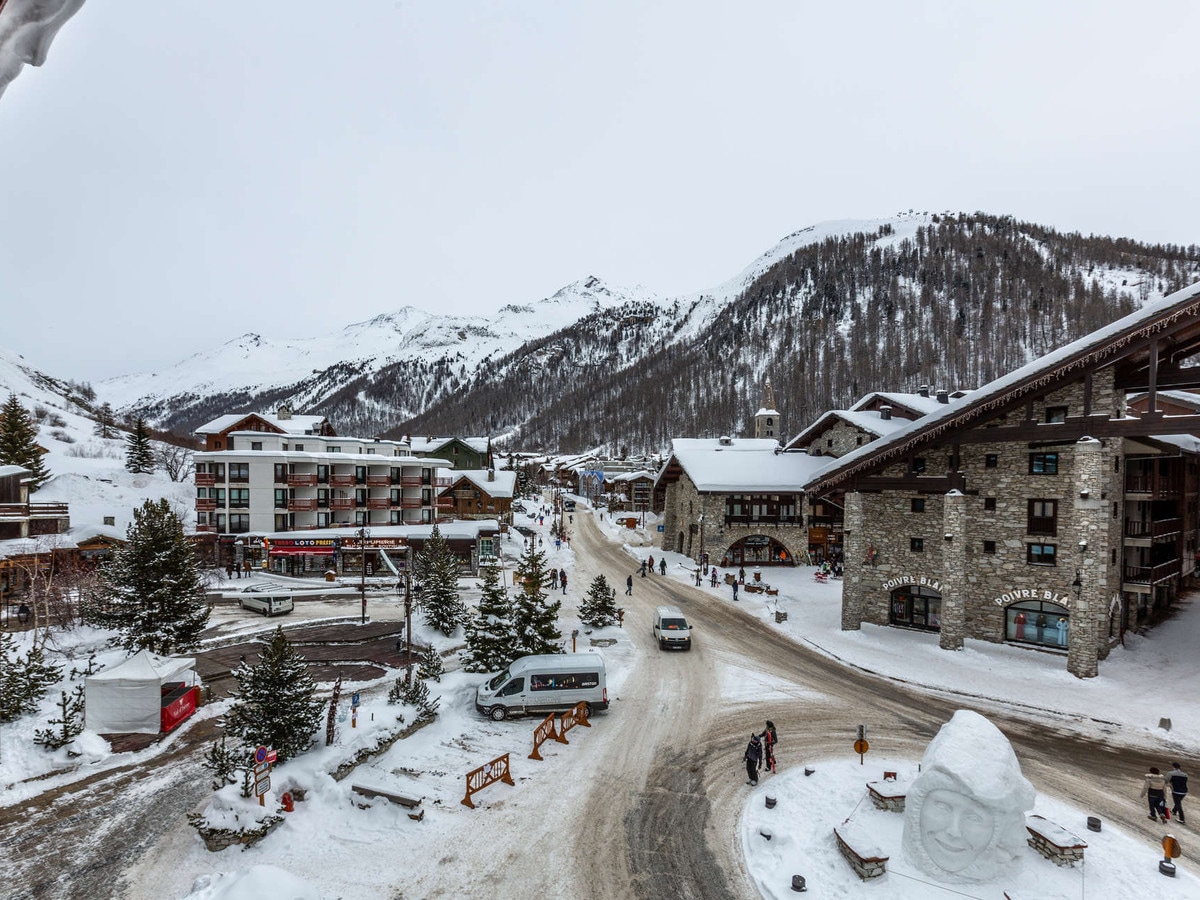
x=363, y=534
x=408, y=555
x=700, y=561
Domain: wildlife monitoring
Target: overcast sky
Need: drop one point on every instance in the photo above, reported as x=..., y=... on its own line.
x=178, y=174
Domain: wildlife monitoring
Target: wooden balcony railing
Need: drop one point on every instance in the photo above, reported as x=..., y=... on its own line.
x=1152, y=574
x=33, y=510
x=1163, y=528
x=411, y=503
x=205, y=479
x=378, y=503
x=298, y=505
x=378, y=480
x=443, y=482
x=341, y=480
x=302, y=480
x=206, y=529
x=1145, y=484
x=445, y=503
x=342, y=503
x=205, y=505
x=764, y=520
x=410, y=480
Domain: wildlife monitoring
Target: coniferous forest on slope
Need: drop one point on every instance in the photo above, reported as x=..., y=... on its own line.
x=970, y=298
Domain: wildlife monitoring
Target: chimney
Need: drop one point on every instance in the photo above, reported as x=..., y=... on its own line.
x=885, y=412
x=726, y=441
x=492, y=477
x=284, y=413
x=944, y=397
x=923, y=390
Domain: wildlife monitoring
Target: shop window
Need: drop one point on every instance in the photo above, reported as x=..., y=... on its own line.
x=916, y=545
x=1037, y=622
x=1039, y=554
x=991, y=461
x=917, y=505
x=1043, y=463
x=989, y=546
x=989, y=503
x=916, y=607
x=1056, y=415
x=1043, y=517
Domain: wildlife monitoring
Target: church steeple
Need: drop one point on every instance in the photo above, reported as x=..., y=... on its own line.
x=766, y=420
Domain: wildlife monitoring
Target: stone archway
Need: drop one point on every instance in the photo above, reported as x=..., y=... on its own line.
x=755, y=550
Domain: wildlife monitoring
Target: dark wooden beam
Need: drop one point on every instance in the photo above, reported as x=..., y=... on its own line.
x=1078, y=426
x=1166, y=381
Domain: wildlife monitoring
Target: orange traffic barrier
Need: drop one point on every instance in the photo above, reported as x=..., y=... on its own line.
x=489, y=773
x=543, y=733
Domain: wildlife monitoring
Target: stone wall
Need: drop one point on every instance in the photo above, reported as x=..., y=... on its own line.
x=838, y=440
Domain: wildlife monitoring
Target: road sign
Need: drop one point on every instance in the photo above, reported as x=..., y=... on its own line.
x=261, y=769
x=861, y=747
x=354, y=699
x=261, y=787
x=260, y=755
x=272, y=755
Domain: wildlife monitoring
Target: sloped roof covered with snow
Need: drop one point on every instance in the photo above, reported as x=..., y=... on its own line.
x=868, y=420
x=742, y=464
x=502, y=486
x=294, y=425
x=6, y=471
x=1091, y=350
x=918, y=403
x=433, y=444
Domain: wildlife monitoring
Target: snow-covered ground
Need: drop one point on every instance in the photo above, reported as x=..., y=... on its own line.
x=332, y=848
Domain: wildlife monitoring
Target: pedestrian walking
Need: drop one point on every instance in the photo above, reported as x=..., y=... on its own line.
x=229, y=571
x=753, y=759
x=714, y=576
x=1177, y=779
x=1153, y=789
x=651, y=562
x=629, y=586
x=554, y=578
x=662, y=566
x=742, y=574
x=562, y=579
x=769, y=738
x=643, y=568
x=735, y=584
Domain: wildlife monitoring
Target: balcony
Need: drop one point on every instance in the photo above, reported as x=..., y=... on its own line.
x=410, y=480
x=378, y=503
x=379, y=480
x=1163, y=528
x=206, y=529
x=411, y=503
x=298, y=505
x=1152, y=574
x=341, y=503
x=445, y=503
x=206, y=505
x=341, y=480
x=302, y=480
x=468, y=494
x=764, y=521
x=443, y=482
x=1167, y=485
x=33, y=510
x=205, y=479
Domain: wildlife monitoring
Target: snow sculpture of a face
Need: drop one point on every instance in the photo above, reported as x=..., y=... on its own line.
x=26, y=29
x=964, y=816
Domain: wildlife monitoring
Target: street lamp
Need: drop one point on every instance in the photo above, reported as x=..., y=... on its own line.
x=363, y=534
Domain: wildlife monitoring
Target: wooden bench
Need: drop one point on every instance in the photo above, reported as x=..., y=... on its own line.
x=407, y=802
x=863, y=854
x=888, y=794
x=1054, y=842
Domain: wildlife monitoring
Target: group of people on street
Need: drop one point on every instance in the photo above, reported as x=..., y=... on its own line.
x=760, y=753
x=1154, y=788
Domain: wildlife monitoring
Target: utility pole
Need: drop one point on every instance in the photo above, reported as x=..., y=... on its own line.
x=362, y=561
x=408, y=560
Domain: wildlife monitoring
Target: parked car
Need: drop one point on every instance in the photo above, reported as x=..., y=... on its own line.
x=268, y=604
x=536, y=685
x=525, y=530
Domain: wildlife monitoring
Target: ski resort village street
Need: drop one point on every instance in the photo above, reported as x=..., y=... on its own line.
x=649, y=801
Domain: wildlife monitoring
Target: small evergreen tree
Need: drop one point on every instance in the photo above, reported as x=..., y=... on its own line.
x=599, y=606
x=491, y=637
x=535, y=621
x=431, y=665
x=277, y=706
x=106, y=421
x=24, y=680
x=151, y=590
x=69, y=721
x=139, y=455
x=221, y=761
x=417, y=696
x=437, y=570
x=18, y=442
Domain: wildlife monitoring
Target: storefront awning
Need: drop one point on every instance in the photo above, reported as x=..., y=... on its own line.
x=301, y=551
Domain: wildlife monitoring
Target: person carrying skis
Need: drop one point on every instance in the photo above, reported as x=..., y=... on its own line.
x=753, y=759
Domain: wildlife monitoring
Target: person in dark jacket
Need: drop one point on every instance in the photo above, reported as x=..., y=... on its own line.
x=1177, y=780
x=753, y=759
x=1153, y=787
x=629, y=586
x=562, y=579
x=768, y=739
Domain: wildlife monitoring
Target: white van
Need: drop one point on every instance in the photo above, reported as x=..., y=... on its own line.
x=267, y=604
x=671, y=628
x=543, y=684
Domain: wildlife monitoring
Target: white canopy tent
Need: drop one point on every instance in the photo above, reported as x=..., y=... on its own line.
x=128, y=698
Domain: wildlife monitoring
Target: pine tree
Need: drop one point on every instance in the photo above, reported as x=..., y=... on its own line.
x=599, y=607
x=222, y=762
x=106, y=421
x=18, y=442
x=535, y=621
x=431, y=665
x=139, y=455
x=491, y=637
x=69, y=721
x=417, y=696
x=151, y=591
x=276, y=706
x=437, y=570
x=23, y=680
